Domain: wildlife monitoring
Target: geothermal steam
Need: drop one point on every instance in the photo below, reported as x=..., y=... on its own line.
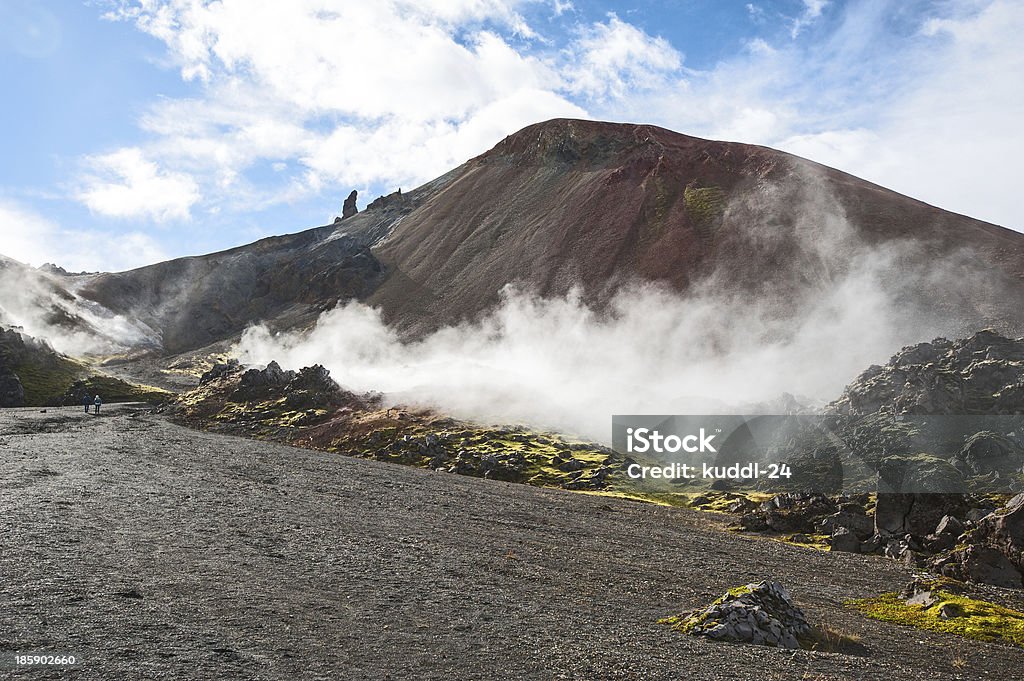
x=561, y=364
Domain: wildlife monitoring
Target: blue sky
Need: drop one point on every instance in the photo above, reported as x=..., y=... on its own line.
x=135, y=131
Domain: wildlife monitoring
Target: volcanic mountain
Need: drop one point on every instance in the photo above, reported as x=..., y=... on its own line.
x=593, y=206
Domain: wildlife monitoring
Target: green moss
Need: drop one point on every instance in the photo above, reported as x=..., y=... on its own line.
x=976, y=619
x=659, y=498
x=56, y=381
x=704, y=205
x=811, y=541
x=720, y=502
x=684, y=623
x=734, y=592
x=45, y=381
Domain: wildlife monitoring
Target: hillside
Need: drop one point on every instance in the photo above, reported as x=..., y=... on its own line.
x=569, y=203
x=33, y=374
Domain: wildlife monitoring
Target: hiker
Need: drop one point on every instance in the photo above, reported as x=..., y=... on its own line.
x=86, y=402
x=97, y=402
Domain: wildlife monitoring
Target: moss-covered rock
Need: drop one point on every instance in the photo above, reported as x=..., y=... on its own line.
x=760, y=614
x=949, y=613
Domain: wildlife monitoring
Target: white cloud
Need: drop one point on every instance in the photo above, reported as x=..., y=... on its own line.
x=341, y=94
x=33, y=239
x=931, y=109
x=812, y=10
x=615, y=59
x=125, y=184
x=951, y=135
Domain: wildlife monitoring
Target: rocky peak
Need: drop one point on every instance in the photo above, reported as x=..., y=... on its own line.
x=349, y=209
x=391, y=200
x=569, y=141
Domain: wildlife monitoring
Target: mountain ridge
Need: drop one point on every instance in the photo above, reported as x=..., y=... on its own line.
x=569, y=204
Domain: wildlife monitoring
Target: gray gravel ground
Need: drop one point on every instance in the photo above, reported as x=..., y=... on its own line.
x=161, y=553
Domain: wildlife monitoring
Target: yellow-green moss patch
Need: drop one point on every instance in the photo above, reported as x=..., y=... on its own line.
x=971, y=618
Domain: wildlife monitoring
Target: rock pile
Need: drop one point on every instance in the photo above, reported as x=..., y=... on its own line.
x=310, y=387
x=790, y=512
x=992, y=551
x=220, y=370
x=983, y=374
x=760, y=614
x=956, y=535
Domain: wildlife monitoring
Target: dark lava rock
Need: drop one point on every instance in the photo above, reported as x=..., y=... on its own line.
x=915, y=493
x=219, y=370
x=760, y=614
x=273, y=376
x=983, y=374
x=986, y=452
x=859, y=524
x=844, y=540
x=946, y=533
x=977, y=563
x=349, y=208
x=993, y=553
x=12, y=392
x=1004, y=530
x=914, y=514
x=793, y=512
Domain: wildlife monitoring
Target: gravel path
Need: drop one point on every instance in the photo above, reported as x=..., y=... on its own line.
x=158, y=552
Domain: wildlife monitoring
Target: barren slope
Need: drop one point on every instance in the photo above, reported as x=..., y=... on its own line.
x=159, y=552
x=580, y=203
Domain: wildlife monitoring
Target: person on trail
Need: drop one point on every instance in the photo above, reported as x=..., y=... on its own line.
x=86, y=402
x=97, y=402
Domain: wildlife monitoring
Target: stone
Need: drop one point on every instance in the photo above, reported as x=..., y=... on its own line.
x=761, y=614
x=975, y=514
x=986, y=452
x=925, y=599
x=979, y=563
x=219, y=370
x=946, y=534
x=571, y=465
x=349, y=208
x=859, y=524
x=1004, y=531
x=844, y=540
x=872, y=544
x=915, y=514
x=949, y=526
x=989, y=566
x=271, y=376
x=983, y=374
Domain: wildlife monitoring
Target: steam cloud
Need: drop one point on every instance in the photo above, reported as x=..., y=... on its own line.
x=561, y=364
x=44, y=308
